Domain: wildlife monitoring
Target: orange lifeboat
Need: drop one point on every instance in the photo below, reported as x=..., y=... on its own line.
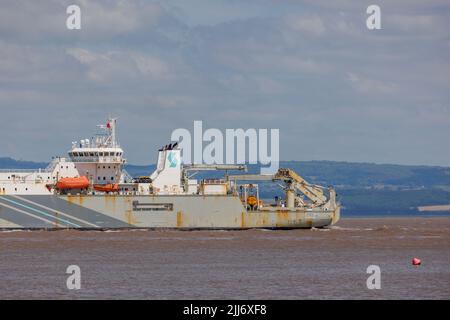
x=107, y=187
x=73, y=183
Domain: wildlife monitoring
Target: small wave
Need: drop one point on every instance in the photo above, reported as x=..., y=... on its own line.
x=214, y=238
x=383, y=228
x=14, y=230
x=428, y=237
x=320, y=229
x=349, y=229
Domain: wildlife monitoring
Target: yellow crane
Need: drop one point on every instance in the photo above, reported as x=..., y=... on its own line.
x=295, y=181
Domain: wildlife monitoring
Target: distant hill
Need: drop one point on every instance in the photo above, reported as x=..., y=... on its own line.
x=10, y=163
x=139, y=171
x=363, y=188
x=353, y=175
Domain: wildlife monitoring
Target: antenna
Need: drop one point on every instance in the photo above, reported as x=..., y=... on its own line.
x=112, y=127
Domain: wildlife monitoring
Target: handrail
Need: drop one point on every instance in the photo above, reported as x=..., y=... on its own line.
x=126, y=176
x=22, y=170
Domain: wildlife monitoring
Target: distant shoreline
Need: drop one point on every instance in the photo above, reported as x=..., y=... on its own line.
x=425, y=215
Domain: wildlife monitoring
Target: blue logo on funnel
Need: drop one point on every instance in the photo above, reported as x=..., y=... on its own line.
x=172, y=160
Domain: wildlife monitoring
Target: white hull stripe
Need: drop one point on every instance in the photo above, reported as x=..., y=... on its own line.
x=56, y=211
x=26, y=213
x=42, y=213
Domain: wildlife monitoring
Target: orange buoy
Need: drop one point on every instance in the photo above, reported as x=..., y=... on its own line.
x=107, y=187
x=72, y=183
x=416, y=262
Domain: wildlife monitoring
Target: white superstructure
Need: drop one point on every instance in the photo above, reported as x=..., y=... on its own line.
x=100, y=159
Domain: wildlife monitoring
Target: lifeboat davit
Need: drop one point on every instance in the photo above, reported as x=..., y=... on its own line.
x=73, y=183
x=107, y=187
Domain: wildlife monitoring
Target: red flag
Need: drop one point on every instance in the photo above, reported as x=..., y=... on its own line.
x=108, y=125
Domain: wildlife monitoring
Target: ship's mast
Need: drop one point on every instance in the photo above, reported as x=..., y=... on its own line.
x=112, y=128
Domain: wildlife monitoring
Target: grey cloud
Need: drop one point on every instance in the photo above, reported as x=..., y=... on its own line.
x=334, y=89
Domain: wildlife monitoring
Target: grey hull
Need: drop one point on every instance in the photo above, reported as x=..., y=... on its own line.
x=175, y=212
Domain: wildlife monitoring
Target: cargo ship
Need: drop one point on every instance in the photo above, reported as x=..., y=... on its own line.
x=90, y=189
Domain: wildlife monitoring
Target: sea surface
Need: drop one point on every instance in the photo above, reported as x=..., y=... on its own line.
x=326, y=263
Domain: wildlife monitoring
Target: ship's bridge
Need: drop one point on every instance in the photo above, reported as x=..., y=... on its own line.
x=103, y=148
x=97, y=155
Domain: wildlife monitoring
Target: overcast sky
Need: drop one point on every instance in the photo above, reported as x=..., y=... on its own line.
x=336, y=90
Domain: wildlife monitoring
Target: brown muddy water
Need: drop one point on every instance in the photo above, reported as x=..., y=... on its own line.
x=250, y=264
